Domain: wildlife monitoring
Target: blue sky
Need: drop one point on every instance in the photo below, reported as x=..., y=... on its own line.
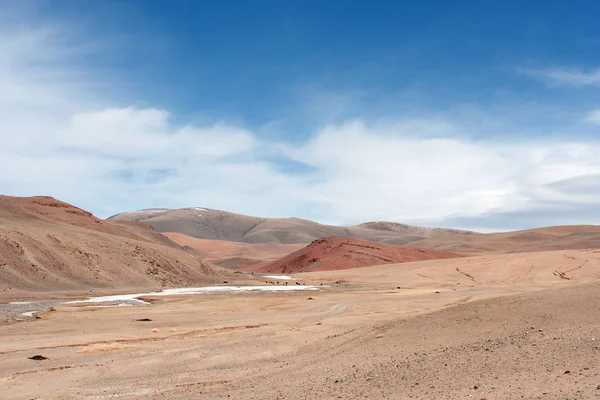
x=480, y=115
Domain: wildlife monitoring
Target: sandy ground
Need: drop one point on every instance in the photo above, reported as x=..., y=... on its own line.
x=490, y=327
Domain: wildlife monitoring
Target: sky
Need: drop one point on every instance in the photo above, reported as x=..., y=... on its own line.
x=481, y=115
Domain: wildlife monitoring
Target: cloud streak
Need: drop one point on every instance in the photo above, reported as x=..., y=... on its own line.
x=569, y=76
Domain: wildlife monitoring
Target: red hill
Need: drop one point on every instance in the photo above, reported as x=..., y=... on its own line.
x=337, y=252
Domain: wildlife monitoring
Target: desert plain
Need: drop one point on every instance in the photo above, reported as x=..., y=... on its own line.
x=503, y=326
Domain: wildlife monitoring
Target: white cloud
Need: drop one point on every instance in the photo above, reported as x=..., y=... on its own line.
x=570, y=76
x=62, y=138
x=370, y=173
x=593, y=117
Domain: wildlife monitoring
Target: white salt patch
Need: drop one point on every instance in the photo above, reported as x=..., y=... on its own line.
x=283, y=277
x=201, y=290
x=21, y=302
x=115, y=298
x=29, y=313
x=234, y=289
x=113, y=305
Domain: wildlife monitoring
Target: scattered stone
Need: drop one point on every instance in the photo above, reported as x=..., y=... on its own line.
x=144, y=320
x=154, y=330
x=437, y=291
x=475, y=387
x=310, y=298
x=38, y=357
x=52, y=308
x=379, y=336
x=567, y=372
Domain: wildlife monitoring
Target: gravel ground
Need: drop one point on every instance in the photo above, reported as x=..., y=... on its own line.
x=14, y=311
x=19, y=311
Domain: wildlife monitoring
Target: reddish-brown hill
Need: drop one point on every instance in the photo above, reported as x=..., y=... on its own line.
x=46, y=245
x=337, y=252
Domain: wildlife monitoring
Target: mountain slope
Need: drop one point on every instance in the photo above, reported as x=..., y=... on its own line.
x=46, y=244
x=221, y=225
x=568, y=237
x=335, y=253
x=233, y=255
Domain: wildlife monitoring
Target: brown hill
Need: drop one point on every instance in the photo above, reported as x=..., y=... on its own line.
x=334, y=253
x=233, y=255
x=568, y=237
x=46, y=244
x=205, y=223
x=202, y=247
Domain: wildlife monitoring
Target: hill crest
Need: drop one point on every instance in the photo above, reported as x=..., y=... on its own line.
x=205, y=223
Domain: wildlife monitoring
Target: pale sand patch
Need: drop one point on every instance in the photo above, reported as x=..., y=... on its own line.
x=103, y=347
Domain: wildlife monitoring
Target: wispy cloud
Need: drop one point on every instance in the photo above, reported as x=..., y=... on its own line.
x=568, y=76
x=593, y=117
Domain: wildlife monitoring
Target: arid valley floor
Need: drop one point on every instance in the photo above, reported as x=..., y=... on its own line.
x=486, y=327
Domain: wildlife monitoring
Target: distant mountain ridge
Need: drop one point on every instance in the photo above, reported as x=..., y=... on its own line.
x=562, y=237
x=204, y=223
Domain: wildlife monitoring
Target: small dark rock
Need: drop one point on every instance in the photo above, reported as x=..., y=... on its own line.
x=38, y=357
x=475, y=387
x=567, y=372
x=144, y=320
x=310, y=298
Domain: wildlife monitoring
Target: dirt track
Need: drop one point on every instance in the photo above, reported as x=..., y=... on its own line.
x=512, y=330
